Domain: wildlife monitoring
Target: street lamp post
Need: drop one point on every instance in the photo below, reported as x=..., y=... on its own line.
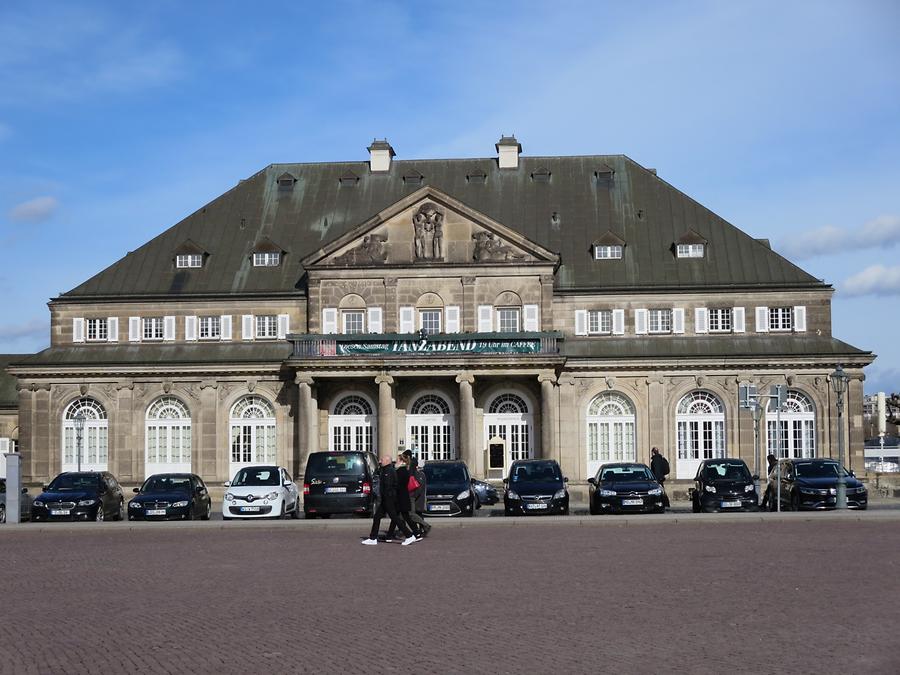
x=839, y=384
x=79, y=435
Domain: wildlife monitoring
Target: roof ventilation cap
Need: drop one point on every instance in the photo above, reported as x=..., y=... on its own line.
x=380, y=153
x=508, y=151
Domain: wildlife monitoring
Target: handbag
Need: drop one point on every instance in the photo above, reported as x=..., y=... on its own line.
x=412, y=485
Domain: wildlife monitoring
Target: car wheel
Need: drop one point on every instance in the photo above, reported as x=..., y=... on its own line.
x=295, y=514
x=326, y=516
x=695, y=505
x=208, y=512
x=795, y=502
x=283, y=511
x=310, y=516
x=190, y=511
x=100, y=515
x=2, y=513
x=120, y=514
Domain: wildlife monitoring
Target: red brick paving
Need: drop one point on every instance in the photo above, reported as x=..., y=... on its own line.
x=747, y=597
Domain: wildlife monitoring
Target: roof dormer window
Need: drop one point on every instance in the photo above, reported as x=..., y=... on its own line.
x=189, y=260
x=690, y=250
x=607, y=252
x=266, y=259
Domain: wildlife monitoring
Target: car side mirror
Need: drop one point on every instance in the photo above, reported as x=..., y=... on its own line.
x=565, y=479
x=200, y=489
x=852, y=473
x=135, y=490
x=44, y=488
x=24, y=491
x=754, y=476
x=227, y=483
x=506, y=480
x=286, y=483
x=472, y=481
x=592, y=480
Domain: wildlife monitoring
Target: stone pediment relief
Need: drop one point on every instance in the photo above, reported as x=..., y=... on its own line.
x=426, y=229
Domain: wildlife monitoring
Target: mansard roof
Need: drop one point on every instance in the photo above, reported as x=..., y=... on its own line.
x=632, y=201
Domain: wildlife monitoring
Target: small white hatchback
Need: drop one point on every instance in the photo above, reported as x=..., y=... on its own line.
x=261, y=492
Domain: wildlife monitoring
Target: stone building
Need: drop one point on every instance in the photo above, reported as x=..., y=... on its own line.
x=578, y=308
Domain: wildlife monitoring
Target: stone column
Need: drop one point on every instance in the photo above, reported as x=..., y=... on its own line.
x=386, y=444
x=307, y=431
x=571, y=436
x=854, y=435
x=467, y=450
x=654, y=426
x=549, y=408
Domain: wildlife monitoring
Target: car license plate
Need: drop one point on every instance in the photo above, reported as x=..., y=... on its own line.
x=155, y=512
x=536, y=506
x=60, y=512
x=729, y=505
x=336, y=489
x=632, y=502
x=438, y=507
x=249, y=509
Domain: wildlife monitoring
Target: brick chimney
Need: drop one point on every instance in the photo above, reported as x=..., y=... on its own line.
x=508, y=149
x=380, y=153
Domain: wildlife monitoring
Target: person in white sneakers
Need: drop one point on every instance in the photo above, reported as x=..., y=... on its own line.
x=388, y=504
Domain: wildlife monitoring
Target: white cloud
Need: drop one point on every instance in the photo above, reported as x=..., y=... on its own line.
x=34, y=210
x=879, y=232
x=874, y=280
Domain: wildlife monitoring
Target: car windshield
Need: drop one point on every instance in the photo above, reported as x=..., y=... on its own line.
x=445, y=473
x=624, y=474
x=727, y=471
x=817, y=469
x=75, y=481
x=543, y=472
x=334, y=463
x=261, y=475
x=156, y=484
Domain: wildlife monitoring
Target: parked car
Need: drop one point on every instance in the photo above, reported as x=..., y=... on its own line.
x=171, y=496
x=812, y=484
x=624, y=487
x=85, y=495
x=485, y=493
x=24, y=503
x=535, y=486
x=339, y=482
x=449, y=490
x=260, y=492
x=724, y=485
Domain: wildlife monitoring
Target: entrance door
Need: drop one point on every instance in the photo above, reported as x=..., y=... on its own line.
x=509, y=420
x=351, y=426
x=429, y=429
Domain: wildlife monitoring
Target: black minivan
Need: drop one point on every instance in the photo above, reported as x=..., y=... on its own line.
x=449, y=490
x=339, y=482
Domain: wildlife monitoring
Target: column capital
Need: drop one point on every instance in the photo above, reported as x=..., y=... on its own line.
x=567, y=379
x=384, y=378
x=303, y=378
x=465, y=377
x=547, y=377
x=547, y=279
x=469, y=281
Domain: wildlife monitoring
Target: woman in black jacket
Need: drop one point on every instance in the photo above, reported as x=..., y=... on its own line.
x=404, y=505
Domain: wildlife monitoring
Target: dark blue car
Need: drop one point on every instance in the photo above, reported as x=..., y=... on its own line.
x=171, y=496
x=535, y=487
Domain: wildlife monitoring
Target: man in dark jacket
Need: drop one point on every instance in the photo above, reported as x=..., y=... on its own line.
x=404, y=501
x=388, y=504
x=659, y=466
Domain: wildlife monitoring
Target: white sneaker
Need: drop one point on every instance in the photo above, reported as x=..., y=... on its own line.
x=370, y=542
x=409, y=540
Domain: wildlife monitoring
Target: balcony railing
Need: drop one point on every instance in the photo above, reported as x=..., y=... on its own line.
x=308, y=346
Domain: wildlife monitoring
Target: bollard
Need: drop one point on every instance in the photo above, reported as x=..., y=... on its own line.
x=13, y=487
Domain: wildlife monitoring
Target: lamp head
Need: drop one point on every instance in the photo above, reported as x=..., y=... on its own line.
x=839, y=380
x=79, y=421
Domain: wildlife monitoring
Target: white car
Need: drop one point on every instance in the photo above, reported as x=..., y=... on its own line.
x=261, y=492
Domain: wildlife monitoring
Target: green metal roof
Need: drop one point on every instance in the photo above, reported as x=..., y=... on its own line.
x=632, y=203
x=160, y=355
x=9, y=397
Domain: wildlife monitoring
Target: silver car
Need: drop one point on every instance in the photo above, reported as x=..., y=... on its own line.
x=24, y=503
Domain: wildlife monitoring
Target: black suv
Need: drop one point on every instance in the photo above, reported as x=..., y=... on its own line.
x=535, y=486
x=339, y=482
x=449, y=490
x=812, y=484
x=86, y=495
x=171, y=496
x=724, y=485
x=625, y=487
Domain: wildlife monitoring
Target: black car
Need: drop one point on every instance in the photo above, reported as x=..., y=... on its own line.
x=625, y=487
x=448, y=489
x=535, y=486
x=85, y=495
x=171, y=496
x=339, y=482
x=724, y=485
x=485, y=493
x=24, y=502
x=812, y=484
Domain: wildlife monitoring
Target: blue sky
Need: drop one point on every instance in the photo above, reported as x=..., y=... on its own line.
x=119, y=119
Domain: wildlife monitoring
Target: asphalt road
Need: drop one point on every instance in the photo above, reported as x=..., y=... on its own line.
x=801, y=593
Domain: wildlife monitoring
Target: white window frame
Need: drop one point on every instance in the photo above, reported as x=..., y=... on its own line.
x=778, y=317
x=265, y=326
x=798, y=427
x=611, y=425
x=655, y=316
x=690, y=250
x=189, y=260
x=210, y=327
x=152, y=328
x=613, y=252
x=347, y=316
x=99, y=328
x=717, y=317
x=431, y=313
x=596, y=318
x=266, y=259
x=500, y=311
x=167, y=437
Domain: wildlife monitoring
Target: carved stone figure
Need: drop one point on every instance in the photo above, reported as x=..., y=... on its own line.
x=428, y=225
x=370, y=251
x=489, y=248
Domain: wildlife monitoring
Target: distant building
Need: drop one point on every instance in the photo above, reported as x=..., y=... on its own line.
x=491, y=309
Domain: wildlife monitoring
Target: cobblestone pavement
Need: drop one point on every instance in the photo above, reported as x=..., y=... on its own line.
x=783, y=595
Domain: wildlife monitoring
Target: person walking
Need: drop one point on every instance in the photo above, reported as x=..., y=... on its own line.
x=387, y=483
x=771, y=463
x=404, y=504
x=417, y=497
x=659, y=466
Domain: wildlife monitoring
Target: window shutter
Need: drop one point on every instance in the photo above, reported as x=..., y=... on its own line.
x=800, y=319
x=452, y=319
x=762, y=319
x=581, y=326
x=407, y=319
x=4, y=446
x=531, y=321
x=168, y=328
x=485, y=318
x=225, y=326
x=701, y=324
x=247, y=327
x=737, y=315
x=329, y=320
x=112, y=329
x=283, y=326
x=640, y=321
x=134, y=329
x=190, y=328
x=678, y=319
x=618, y=317
x=78, y=330
x=375, y=324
